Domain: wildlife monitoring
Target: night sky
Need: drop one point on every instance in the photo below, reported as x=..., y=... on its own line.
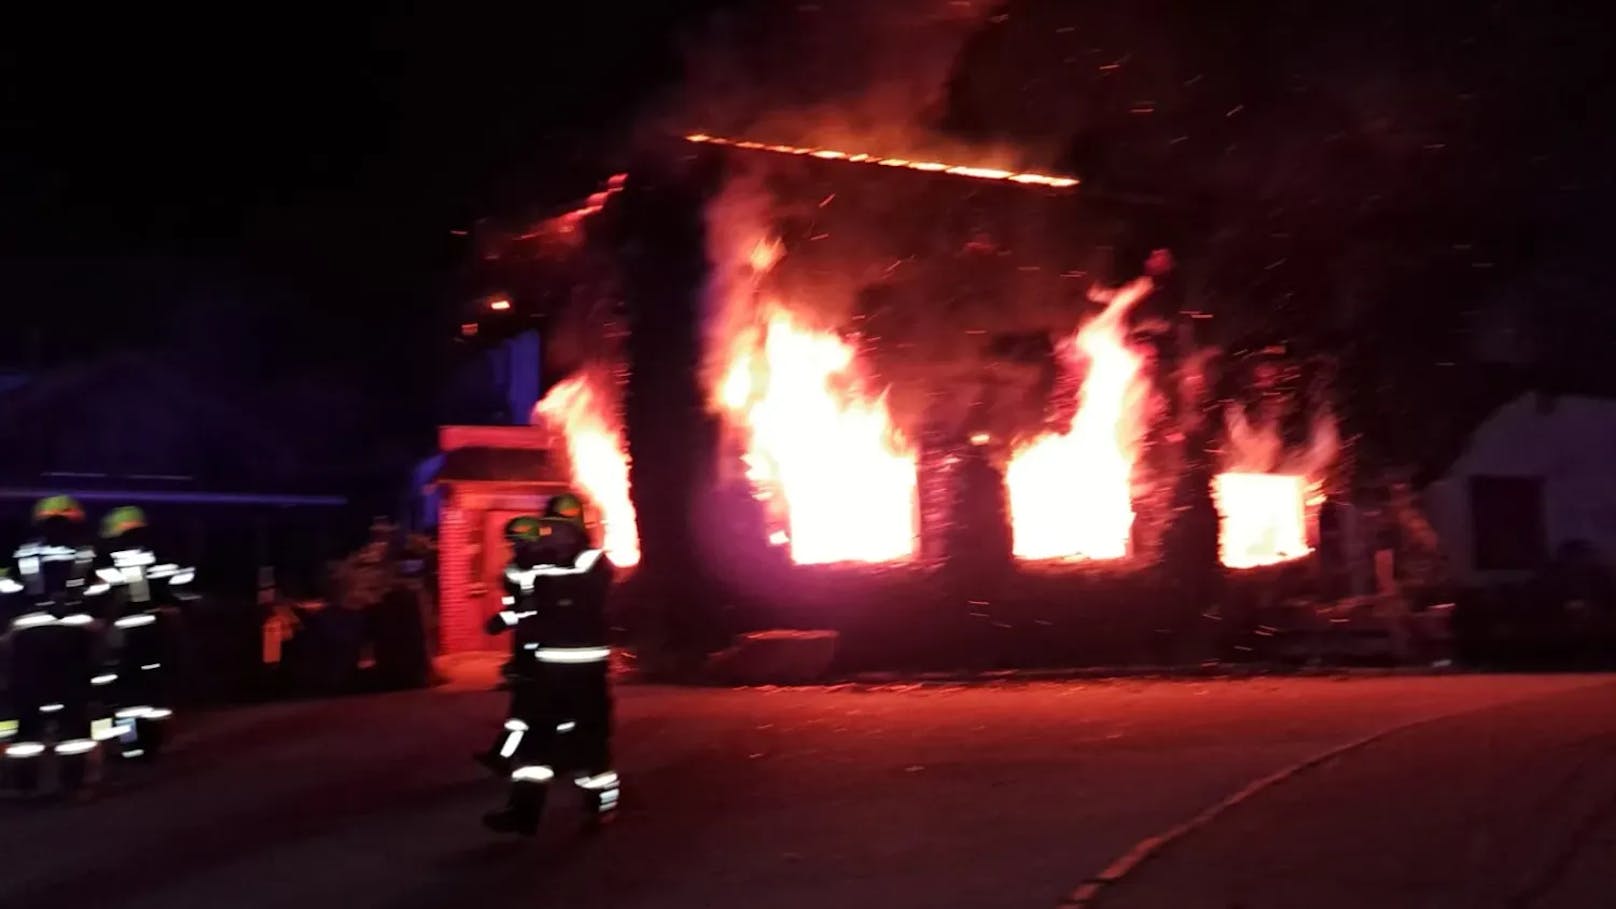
x=286, y=181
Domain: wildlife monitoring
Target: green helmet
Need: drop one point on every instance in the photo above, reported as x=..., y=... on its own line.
x=525, y=528
x=120, y=521
x=58, y=507
x=566, y=507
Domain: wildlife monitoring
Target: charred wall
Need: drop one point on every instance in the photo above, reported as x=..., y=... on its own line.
x=671, y=439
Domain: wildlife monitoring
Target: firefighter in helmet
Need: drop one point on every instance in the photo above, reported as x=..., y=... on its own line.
x=144, y=594
x=51, y=621
x=561, y=704
x=522, y=535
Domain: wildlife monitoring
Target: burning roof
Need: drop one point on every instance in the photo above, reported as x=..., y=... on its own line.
x=974, y=172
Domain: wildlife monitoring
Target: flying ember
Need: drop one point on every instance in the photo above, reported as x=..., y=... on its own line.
x=583, y=410
x=958, y=170
x=1070, y=492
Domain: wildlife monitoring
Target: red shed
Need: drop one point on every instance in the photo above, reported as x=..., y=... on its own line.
x=490, y=474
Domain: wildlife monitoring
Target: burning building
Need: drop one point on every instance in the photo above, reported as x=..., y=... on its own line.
x=948, y=404
x=938, y=408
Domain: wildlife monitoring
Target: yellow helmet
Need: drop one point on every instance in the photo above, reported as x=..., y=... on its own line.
x=58, y=507
x=525, y=528
x=566, y=507
x=120, y=521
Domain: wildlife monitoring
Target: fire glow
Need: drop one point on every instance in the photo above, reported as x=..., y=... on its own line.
x=1070, y=492
x=835, y=476
x=585, y=415
x=1266, y=493
x=1264, y=518
x=566, y=226
x=826, y=154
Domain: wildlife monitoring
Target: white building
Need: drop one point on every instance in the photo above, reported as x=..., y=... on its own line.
x=1536, y=474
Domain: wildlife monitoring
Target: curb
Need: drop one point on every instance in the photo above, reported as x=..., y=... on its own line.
x=1236, y=671
x=1101, y=673
x=1088, y=894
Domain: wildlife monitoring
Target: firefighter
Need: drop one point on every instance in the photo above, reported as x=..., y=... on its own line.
x=144, y=594
x=561, y=699
x=522, y=534
x=54, y=633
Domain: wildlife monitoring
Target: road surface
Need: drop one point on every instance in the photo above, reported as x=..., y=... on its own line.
x=1006, y=795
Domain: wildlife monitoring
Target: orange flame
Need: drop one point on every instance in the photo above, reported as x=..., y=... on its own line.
x=958, y=170
x=1071, y=492
x=567, y=224
x=822, y=453
x=1265, y=492
x=586, y=416
x=1263, y=518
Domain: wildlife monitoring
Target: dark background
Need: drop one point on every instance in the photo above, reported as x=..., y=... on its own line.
x=269, y=194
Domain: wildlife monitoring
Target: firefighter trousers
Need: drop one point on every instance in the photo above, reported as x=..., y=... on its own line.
x=561, y=723
x=50, y=692
x=33, y=742
x=142, y=689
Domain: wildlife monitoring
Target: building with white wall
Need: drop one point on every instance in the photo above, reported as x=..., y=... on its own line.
x=1538, y=473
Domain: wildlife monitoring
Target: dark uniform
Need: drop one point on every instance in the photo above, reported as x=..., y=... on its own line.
x=522, y=533
x=144, y=594
x=54, y=632
x=561, y=706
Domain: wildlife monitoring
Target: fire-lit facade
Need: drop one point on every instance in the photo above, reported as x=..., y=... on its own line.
x=795, y=373
x=899, y=382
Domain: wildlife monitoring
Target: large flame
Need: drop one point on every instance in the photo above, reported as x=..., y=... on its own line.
x=1071, y=492
x=1266, y=491
x=583, y=410
x=821, y=451
x=1263, y=518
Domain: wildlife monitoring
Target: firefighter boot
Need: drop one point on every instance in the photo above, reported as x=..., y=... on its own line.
x=73, y=772
x=521, y=814
x=22, y=771
x=492, y=762
x=602, y=792
x=148, y=740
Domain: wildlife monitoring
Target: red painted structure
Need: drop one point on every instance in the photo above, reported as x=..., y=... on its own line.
x=490, y=474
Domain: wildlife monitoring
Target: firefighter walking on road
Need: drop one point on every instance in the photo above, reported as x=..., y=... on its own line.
x=52, y=625
x=144, y=592
x=561, y=706
x=522, y=534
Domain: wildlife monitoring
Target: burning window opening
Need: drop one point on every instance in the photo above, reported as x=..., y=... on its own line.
x=1267, y=497
x=958, y=170
x=820, y=451
x=1263, y=518
x=582, y=410
x=836, y=478
x=1070, y=492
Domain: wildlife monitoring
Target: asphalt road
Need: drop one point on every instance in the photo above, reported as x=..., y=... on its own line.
x=996, y=796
